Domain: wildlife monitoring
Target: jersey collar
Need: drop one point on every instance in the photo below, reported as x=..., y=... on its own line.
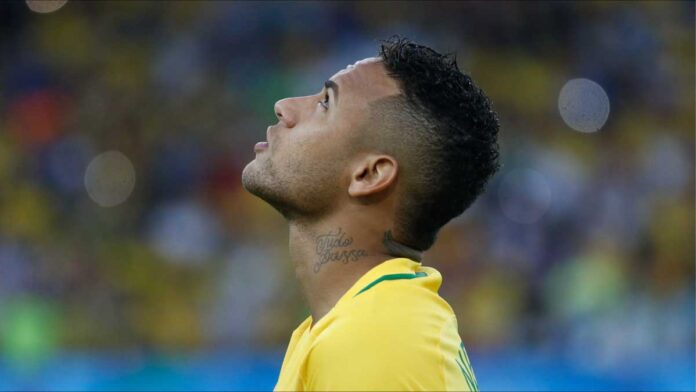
x=400, y=265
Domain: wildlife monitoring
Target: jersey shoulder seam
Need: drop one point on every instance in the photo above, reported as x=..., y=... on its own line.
x=399, y=276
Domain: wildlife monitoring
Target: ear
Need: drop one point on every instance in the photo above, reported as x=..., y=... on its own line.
x=373, y=174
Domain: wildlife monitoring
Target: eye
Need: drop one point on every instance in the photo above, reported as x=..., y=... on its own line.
x=325, y=102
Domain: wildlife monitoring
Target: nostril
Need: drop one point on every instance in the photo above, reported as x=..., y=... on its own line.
x=282, y=113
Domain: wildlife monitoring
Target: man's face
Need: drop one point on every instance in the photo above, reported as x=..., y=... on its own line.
x=303, y=170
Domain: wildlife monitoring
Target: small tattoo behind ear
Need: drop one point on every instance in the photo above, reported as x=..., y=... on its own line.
x=397, y=249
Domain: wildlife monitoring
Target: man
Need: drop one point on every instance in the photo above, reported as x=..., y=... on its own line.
x=366, y=172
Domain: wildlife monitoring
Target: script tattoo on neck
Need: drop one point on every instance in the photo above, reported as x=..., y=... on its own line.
x=334, y=246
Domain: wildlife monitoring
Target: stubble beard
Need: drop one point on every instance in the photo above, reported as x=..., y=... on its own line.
x=302, y=194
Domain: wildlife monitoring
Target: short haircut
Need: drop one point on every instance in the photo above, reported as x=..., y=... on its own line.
x=443, y=133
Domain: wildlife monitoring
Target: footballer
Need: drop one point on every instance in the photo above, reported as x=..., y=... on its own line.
x=366, y=172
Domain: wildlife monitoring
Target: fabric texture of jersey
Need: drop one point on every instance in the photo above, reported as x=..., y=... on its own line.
x=390, y=331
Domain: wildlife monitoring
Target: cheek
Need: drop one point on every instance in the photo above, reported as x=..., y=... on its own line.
x=309, y=156
x=320, y=150
x=308, y=145
x=315, y=161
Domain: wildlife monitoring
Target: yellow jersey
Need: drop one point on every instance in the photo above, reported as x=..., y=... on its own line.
x=390, y=331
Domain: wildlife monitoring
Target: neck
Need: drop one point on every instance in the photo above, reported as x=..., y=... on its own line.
x=330, y=255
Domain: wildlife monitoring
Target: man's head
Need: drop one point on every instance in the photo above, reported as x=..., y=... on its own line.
x=405, y=130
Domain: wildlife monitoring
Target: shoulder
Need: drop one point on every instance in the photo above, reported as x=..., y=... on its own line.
x=387, y=337
x=410, y=299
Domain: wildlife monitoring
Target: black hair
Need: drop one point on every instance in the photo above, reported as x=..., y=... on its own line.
x=444, y=133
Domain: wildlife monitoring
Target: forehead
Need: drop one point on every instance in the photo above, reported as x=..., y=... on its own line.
x=366, y=79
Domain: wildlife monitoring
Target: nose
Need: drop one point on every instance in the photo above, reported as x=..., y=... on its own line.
x=284, y=113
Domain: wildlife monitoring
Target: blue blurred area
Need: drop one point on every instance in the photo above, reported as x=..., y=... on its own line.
x=509, y=370
x=137, y=372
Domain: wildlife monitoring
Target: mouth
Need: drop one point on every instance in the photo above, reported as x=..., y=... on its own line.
x=260, y=146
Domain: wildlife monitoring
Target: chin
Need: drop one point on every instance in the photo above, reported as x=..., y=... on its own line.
x=256, y=180
x=250, y=177
x=266, y=187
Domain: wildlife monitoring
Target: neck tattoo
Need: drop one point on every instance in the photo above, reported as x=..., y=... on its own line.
x=335, y=246
x=398, y=249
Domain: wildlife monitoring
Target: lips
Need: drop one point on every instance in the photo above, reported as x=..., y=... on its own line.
x=260, y=146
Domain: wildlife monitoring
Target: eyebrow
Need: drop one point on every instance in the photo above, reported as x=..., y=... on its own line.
x=331, y=85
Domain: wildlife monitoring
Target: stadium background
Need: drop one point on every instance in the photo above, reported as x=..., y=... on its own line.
x=574, y=271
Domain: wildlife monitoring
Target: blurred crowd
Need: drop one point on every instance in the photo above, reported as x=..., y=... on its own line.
x=582, y=246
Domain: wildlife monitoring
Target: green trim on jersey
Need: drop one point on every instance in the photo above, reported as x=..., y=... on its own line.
x=391, y=277
x=465, y=367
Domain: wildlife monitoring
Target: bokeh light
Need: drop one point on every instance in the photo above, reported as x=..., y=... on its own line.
x=110, y=178
x=524, y=195
x=45, y=6
x=584, y=105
